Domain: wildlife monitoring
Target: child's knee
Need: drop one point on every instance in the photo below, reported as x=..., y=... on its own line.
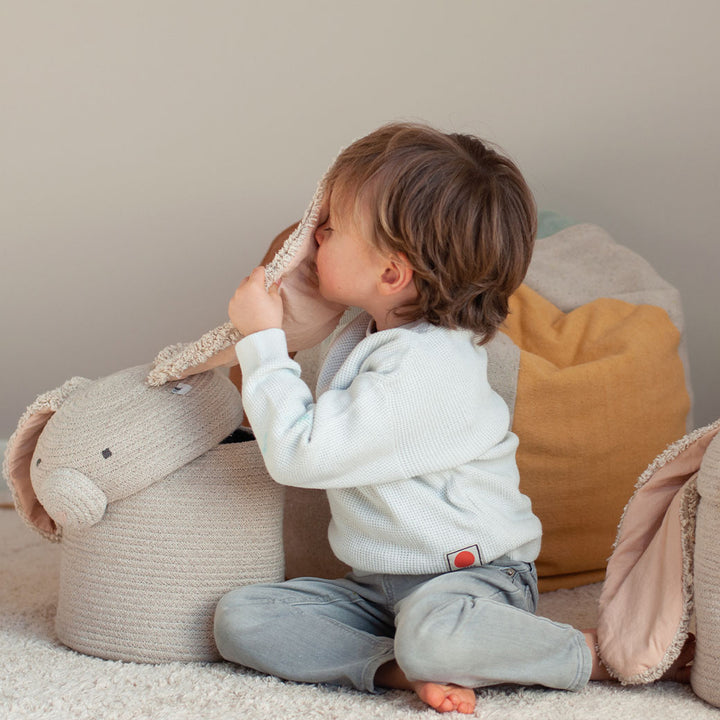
x=239, y=616
x=422, y=639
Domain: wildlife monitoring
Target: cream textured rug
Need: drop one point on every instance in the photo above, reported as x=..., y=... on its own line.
x=41, y=679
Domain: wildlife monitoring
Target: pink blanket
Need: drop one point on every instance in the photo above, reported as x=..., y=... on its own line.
x=649, y=595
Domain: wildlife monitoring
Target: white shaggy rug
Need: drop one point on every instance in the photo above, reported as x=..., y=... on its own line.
x=39, y=678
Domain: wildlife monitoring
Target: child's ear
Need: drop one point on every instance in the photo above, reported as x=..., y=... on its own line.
x=397, y=274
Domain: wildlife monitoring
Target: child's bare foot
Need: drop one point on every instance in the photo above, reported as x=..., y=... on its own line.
x=446, y=698
x=443, y=698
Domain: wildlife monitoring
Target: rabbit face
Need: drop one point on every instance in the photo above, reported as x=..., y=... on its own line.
x=115, y=436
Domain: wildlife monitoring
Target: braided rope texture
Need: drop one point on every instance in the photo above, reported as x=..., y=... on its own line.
x=705, y=676
x=143, y=584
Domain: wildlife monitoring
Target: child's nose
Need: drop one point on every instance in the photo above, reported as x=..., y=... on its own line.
x=319, y=234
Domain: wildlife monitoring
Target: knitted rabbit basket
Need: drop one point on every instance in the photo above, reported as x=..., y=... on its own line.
x=157, y=516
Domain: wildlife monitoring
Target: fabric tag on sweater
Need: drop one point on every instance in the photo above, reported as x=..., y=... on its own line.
x=467, y=557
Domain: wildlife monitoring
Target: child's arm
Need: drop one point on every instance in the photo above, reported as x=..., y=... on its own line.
x=345, y=439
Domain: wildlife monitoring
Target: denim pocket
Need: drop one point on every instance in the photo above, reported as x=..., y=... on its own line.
x=529, y=579
x=524, y=578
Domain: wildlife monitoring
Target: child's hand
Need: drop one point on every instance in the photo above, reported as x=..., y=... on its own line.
x=252, y=308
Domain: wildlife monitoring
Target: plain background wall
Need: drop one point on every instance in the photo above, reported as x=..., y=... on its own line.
x=150, y=149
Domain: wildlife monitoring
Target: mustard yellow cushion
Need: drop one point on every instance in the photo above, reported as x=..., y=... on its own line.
x=600, y=392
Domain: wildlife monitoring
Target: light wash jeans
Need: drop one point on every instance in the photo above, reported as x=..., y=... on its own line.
x=472, y=627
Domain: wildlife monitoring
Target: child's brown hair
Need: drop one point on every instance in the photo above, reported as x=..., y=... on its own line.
x=460, y=211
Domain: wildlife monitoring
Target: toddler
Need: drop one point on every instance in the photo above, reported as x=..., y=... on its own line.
x=429, y=234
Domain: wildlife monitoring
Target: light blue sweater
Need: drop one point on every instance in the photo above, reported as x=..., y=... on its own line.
x=408, y=439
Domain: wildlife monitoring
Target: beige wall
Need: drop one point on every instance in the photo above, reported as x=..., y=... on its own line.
x=150, y=149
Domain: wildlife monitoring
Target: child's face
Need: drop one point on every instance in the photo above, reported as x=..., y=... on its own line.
x=348, y=264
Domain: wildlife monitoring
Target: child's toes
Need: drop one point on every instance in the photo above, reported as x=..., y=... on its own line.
x=447, y=705
x=463, y=705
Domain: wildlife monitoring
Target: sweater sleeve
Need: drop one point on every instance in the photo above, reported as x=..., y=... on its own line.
x=342, y=440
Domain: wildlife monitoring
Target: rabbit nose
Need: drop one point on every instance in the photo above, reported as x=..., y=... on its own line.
x=71, y=499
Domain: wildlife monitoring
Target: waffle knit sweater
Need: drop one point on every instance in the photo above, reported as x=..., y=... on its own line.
x=407, y=438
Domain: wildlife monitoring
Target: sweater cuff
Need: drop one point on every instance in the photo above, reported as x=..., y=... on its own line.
x=261, y=348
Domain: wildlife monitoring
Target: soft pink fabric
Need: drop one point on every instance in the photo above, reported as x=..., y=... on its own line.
x=19, y=454
x=642, y=612
x=307, y=318
x=643, y=604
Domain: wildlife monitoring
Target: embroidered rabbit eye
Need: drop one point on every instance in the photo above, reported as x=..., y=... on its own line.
x=106, y=453
x=37, y=464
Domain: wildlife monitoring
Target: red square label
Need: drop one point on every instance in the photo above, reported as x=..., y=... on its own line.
x=467, y=557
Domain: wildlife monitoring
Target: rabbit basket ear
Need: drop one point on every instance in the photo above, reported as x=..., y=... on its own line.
x=308, y=318
x=19, y=453
x=214, y=349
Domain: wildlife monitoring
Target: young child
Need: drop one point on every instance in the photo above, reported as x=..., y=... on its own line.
x=429, y=234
